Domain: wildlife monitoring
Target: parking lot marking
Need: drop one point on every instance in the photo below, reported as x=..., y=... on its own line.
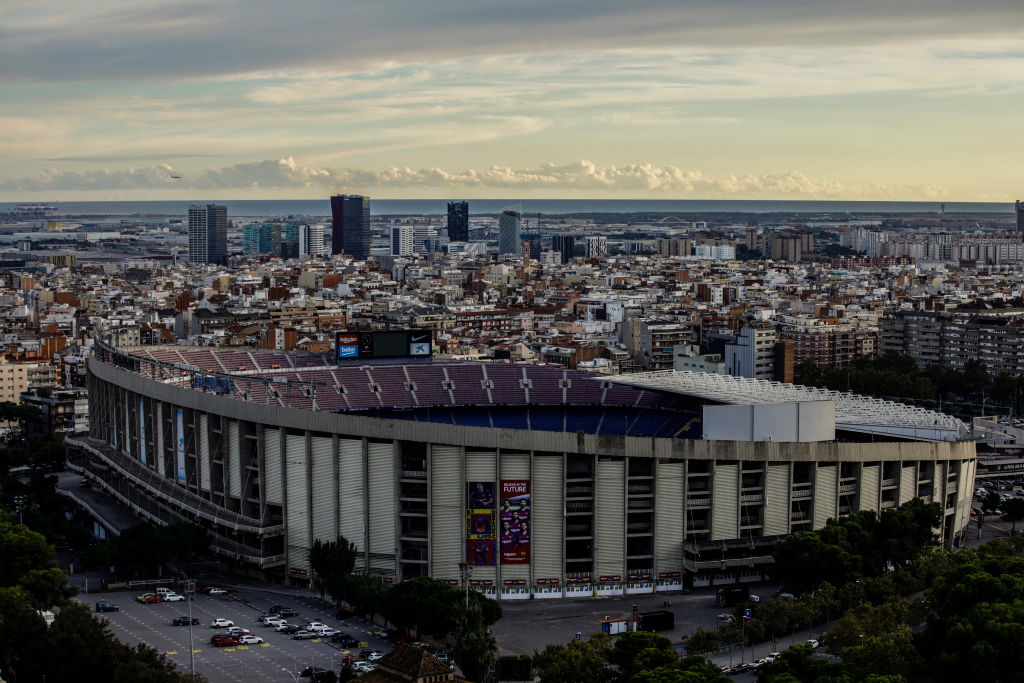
x=171, y=652
x=264, y=644
x=243, y=647
x=314, y=640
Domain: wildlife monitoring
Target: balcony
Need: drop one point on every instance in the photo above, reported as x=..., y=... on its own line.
x=752, y=498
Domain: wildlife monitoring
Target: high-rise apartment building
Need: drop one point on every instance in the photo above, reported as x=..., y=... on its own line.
x=509, y=226
x=458, y=221
x=311, y=240
x=596, y=246
x=261, y=239
x=208, y=234
x=752, y=354
x=564, y=245
x=350, y=229
x=401, y=240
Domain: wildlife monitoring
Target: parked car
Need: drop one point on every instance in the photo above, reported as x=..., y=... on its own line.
x=374, y=655
x=238, y=631
x=315, y=626
x=221, y=622
x=303, y=634
x=283, y=611
x=223, y=640
x=184, y=621
x=216, y=591
x=344, y=639
x=814, y=643
x=249, y=639
x=361, y=666
x=148, y=598
x=104, y=606
x=288, y=629
x=172, y=597
x=384, y=633
x=276, y=621
x=754, y=598
x=328, y=632
x=419, y=643
x=318, y=675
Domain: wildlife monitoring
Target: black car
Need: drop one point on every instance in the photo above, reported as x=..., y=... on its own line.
x=343, y=614
x=104, y=606
x=184, y=621
x=344, y=639
x=283, y=611
x=291, y=628
x=318, y=675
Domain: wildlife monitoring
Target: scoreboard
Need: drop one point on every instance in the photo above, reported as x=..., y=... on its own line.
x=380, y=344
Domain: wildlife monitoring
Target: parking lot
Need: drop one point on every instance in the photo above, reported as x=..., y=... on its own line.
x=279, y=658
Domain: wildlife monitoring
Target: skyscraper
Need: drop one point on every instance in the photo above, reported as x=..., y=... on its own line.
x=596, y=246
x=1018, y=210
x=564, y=245
x=208, y=234
x=458, y=221
x=509, y=225
x=401, y=240
x=311, y=240
x=350, y=229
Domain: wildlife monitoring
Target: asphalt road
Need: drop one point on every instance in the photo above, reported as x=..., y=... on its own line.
x=277, y=659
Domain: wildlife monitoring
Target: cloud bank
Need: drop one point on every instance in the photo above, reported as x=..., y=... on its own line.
x=67, y=40
x=582, y=178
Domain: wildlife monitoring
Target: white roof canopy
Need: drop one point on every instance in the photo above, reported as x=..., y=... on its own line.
x=853, y=412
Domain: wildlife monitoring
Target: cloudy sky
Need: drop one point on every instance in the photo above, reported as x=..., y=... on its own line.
x=675, y=99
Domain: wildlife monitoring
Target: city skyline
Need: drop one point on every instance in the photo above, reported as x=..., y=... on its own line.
x=660, y=100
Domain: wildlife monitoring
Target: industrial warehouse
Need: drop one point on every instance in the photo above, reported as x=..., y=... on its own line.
x=546, y=482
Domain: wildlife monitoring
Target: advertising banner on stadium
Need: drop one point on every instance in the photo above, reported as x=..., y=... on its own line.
x=180, y=450
x=515, y=521
x=142, y=432
x=480, y=531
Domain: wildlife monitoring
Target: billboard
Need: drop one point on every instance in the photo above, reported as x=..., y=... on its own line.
x=515, y=521
x=378, y=344
x=180, y=450
x=480, y=532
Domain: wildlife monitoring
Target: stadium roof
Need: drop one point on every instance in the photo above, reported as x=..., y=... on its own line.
x=853, y=412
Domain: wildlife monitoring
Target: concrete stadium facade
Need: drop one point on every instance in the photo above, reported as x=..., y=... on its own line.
x=603, y=514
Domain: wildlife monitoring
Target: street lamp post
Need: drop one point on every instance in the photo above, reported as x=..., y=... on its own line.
x=466, y=569
x=190, y=594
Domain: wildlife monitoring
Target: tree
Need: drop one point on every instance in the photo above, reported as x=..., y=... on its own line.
x=579, y=661
x=892, y=653
x=475, y=652
x=797, y=664
x=992, y=501
x=639, y=651
x=703, y=641
x=1014, y=511
x=332, y=562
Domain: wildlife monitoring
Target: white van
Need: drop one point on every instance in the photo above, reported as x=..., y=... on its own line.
x=163, y=591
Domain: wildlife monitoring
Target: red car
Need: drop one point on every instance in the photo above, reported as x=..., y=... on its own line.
x=223, y=640
x=148, y=598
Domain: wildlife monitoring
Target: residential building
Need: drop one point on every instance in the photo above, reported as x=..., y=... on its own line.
x=311, y=240
x=596, y=246
x=565, y=245
x=208, y=234
x=401, y=240
x=752, y=354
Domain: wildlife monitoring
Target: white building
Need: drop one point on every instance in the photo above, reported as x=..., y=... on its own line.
x=402, y=240
x=596, y=246
x=311, y=240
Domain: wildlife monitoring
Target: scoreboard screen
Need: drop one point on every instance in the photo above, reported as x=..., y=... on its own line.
x=377, y=344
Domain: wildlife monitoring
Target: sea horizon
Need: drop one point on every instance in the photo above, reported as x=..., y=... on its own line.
x=551, y=207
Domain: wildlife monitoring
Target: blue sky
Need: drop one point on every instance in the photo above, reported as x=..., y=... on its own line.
x=775, y=99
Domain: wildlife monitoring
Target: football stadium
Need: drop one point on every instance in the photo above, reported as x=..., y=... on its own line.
x=547, y=482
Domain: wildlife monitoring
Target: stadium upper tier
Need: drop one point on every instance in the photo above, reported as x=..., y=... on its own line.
x=313, y=382
x=853, y=412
